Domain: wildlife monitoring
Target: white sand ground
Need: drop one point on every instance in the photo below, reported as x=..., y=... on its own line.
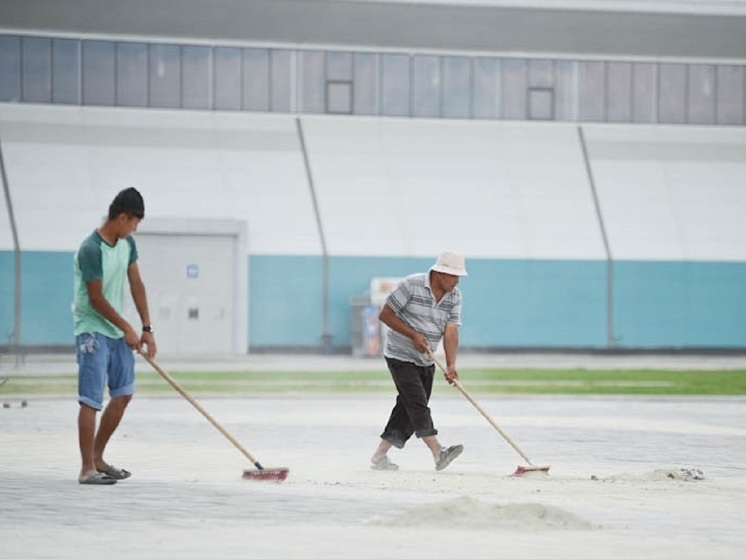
x=615, y=487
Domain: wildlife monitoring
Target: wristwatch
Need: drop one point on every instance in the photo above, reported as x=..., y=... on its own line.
x=147, y=328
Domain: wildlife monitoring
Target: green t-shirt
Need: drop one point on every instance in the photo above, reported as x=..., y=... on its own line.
x=98, y=260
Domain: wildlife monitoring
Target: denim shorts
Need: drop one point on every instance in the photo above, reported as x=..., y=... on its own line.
x=102, y=359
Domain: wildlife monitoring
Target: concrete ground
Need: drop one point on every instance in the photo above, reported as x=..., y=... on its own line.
x=624, y=479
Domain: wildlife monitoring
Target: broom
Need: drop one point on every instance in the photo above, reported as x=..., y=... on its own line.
x=261, y=473
x=520, y=470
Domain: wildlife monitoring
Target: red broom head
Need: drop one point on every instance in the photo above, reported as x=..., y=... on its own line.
x=523, y=470
x=267, y=474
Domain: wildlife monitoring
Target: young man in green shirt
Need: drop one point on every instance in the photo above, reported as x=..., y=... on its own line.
x=104, y=340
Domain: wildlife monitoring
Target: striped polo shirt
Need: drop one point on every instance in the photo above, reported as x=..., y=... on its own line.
x=413, y=302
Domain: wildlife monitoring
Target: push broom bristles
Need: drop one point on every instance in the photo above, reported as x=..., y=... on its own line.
x=266, y=474
x=523, y=470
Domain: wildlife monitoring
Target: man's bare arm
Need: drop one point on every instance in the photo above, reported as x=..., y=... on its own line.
x=102, y=306
x=139, y=296
x=450, y=346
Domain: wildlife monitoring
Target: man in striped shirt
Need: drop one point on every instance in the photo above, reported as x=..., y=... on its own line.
x=423, y=309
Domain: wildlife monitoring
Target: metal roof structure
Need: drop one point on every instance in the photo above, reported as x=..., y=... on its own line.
x=681, y=29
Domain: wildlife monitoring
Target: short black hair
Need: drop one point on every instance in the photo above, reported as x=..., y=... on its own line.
x=128, y=201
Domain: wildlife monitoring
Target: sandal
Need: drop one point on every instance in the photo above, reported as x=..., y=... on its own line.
x=384, y=464
x=116, y=473
x=99, y=478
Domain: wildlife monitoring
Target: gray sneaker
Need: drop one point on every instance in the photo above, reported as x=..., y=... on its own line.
x=448, y=455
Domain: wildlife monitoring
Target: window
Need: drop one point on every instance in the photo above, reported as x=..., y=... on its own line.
x=10, y=68
x=395, y=84
x=196, y=77
x=565, y=90
x=644, y=92
x=98, y=73
x=365, y=101
x=541, y=73
x=619, y=91
x=514, y=88
x=164, y=76
x=313, y=81
x=339, y=82
x=540, y=90
x=36, y=53
x=701, y=94
x=339, y=97
x=339, y=66
x=227, y=85
x=730, y=95
x=456, y=87
x=256, y=79
x=541, y=103
x=593, y=91
x=281, y=61
x=132, y=74
x=65, y=71
x=672, y=95
x=487, y=88
x=425, y=86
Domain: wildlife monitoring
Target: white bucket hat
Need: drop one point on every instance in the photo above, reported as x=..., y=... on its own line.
x=450, y=263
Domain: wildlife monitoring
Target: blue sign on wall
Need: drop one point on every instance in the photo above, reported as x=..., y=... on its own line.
x=192, y=271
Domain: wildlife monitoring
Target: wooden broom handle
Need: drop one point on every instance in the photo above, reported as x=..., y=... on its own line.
x=199, y=408
x=468, y=396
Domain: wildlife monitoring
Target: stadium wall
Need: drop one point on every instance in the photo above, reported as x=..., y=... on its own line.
x=640, y=245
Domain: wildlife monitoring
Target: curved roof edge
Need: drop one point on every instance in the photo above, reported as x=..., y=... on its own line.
x=414, y=26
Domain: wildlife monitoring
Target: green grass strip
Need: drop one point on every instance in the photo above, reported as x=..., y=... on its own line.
x=477, y=381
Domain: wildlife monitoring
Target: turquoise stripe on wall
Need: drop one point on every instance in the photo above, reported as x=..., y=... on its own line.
x=7, y=289
x=286, y=295
x=534, y=303
x=507, y=303
x=285, y=300
x=680, y=304
x=46, y=294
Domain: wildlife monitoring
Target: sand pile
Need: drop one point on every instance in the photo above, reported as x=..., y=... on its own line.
x=678, y=474
x=467, y=512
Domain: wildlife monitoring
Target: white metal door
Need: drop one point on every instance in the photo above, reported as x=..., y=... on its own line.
x=190, y=285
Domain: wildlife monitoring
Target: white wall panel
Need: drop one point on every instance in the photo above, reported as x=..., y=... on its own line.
x=404, y=187
x=389, y=187
x=671, y=193
x=65, y=164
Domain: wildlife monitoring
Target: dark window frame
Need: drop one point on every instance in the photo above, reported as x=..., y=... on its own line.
x=529, y=105
x=350, y=96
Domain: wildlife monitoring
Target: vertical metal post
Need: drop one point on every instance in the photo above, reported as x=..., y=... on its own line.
x=610, y=336
x=326, y=336
x=17, y=255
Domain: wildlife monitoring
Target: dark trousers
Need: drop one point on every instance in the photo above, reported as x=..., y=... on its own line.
x=411, y=414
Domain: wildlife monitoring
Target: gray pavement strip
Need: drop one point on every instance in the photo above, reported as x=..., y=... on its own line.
x=65, y=364
x=269, y=382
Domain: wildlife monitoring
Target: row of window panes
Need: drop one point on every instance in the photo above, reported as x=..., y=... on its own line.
x=130, y=74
